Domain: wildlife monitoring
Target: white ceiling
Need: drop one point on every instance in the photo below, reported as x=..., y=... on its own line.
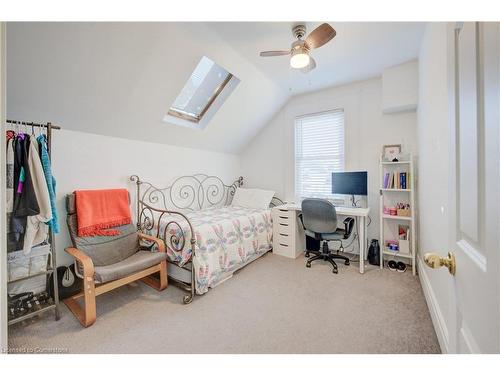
x=360, y=50
x=119, y=79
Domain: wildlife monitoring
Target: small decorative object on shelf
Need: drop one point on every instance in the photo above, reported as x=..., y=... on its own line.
x=391, y=152
x=403, y=209
x=397, y=200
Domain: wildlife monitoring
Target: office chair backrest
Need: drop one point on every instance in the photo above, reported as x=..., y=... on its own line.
x=319, y=215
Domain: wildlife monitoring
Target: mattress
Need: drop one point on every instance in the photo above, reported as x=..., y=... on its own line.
x=227, y=238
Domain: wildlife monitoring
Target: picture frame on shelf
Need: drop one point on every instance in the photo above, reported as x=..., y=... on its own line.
x=391, y=152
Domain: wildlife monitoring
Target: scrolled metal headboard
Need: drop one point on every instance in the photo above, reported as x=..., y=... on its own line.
x=189, y=193
x=160, y=210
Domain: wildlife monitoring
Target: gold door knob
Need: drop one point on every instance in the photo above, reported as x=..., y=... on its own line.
x=435, y=261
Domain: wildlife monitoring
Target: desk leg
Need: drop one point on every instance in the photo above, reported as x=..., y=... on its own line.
x=362, y=244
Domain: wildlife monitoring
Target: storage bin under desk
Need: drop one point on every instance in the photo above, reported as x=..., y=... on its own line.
x=288, y=234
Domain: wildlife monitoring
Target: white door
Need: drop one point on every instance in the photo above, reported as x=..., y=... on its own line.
x=474, y=317
x=475, y=188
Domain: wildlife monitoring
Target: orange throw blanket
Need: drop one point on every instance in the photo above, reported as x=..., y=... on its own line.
x=99, y=210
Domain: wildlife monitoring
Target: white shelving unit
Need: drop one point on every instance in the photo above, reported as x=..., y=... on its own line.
x=389, y=224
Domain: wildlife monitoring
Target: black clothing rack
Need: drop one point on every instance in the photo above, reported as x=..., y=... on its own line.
x=52, y=269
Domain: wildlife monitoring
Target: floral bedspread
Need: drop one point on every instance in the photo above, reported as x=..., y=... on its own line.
x=227, y=238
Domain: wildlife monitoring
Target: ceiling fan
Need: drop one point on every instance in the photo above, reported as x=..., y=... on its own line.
x=300, y=49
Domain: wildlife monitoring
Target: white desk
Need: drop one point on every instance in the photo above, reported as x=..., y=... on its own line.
x=359, y=213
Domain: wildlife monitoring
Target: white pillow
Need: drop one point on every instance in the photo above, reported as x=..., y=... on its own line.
x=242, y=197
x=252, y=198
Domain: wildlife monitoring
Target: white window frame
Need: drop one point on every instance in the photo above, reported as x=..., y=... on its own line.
x=199, y=121
x=336, y=156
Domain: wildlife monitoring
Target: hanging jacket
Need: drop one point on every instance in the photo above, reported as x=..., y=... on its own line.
x=25, y=202
x=36, y=229
x=12, y=238
x=24, y=199
x=10, y=174
x=51, y=181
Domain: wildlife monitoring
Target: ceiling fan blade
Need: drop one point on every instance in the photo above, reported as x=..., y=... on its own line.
x=274, y=53
x=311, y=66
x=320, y=35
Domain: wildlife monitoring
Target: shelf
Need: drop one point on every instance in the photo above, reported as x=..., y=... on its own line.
x=32, y=314
x=49, y=271
x=396, y=217
x=384, y=189
x=397, y=254
x=394, y=162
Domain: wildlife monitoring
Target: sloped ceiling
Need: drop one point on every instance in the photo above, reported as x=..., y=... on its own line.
x=119, y=79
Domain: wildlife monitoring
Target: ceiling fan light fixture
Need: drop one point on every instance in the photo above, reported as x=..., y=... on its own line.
x=300, y=59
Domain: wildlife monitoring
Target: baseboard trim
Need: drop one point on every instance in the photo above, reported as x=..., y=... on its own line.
x=436, y=314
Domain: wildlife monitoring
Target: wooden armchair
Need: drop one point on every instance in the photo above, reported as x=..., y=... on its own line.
x=106, y=263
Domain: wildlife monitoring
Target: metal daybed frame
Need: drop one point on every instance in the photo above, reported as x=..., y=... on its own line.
x=187, y=193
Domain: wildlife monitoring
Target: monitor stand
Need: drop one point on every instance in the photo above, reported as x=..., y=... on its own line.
x=353, y=201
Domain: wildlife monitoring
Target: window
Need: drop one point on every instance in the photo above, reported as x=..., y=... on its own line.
x=319, y=151
x=200, y=91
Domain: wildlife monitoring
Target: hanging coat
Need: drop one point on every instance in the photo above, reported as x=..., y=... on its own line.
x=12, y=238
x=51, y=181
x=36, y=229
x=10, y=174
x=25, y=202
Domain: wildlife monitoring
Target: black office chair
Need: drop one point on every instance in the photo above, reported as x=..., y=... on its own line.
x=319, y=220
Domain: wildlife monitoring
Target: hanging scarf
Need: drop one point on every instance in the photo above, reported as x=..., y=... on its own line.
x=51, y=181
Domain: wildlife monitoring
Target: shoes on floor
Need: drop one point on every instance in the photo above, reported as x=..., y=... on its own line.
x=401, y=267
x=396, y=266
x=393, y=266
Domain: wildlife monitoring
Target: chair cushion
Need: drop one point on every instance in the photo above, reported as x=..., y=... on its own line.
x=137, y=262
x=337, y=235
x=105, y=250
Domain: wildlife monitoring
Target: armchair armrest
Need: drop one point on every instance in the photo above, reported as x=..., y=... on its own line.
x=84, y=259
x=348, y=227
x=158, y=241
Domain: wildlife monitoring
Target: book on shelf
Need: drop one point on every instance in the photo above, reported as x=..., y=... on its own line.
x=396, y=180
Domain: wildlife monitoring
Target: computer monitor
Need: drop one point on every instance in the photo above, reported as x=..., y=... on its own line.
x=350, y=183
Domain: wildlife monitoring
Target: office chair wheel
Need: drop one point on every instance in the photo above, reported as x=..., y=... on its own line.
x=308, y=265
x=347, y=263
x=307, y=255
x=335, y=270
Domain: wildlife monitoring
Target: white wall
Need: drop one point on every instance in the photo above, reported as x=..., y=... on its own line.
x=433, y=182
x=89, y=161
x=268, y=161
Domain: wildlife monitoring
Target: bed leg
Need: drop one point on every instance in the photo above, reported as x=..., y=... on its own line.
x=188, y=298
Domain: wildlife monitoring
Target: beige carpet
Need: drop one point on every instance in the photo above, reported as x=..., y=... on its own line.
x=274, y=305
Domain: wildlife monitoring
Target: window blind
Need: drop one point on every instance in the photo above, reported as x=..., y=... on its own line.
x=319, y=151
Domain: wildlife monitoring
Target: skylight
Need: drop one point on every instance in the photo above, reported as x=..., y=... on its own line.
x=205, y=84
